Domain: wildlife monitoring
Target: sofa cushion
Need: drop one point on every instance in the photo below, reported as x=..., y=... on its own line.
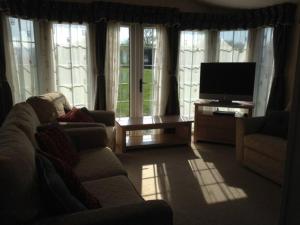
x=276, y=124
x=98, y=163
x=273, y=147
x=56, y=195
x=53, y=140
x=19, y=193
x=114, y=191
x=49, y=106
x=23, y=116
x=73, y=183
x=44, y=109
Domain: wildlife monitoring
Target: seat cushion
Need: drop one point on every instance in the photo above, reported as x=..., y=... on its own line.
x=113, y=191
x=98, y=163
x=273, y=147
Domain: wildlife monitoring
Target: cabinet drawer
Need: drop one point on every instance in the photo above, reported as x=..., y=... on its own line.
x=216, y=121
x=216, y=135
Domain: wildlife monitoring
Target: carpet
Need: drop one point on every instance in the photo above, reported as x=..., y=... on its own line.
x=204, y=185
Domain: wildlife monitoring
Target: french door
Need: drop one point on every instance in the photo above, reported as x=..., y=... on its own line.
x=138, y=83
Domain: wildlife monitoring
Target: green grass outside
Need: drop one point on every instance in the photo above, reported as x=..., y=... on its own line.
x=123, y=92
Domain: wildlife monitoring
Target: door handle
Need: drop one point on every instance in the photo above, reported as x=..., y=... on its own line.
x=141, y=85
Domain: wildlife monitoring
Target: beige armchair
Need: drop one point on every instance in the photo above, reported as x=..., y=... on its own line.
x=50, y=106
x=262, y=153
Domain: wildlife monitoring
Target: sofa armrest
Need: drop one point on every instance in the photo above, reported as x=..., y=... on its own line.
x=245, y=126
x=69, y=125
x=88, y=137
x=101, y=116
x=155, y=212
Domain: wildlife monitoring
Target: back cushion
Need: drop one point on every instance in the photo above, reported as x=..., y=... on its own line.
x=20, y=199
x=23, y=116
x=44, y=109
x=49, y=106
x=59, y=101
x=276, y=124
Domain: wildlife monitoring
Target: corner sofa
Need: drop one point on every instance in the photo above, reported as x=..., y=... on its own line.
x=263, y=153
x=99, y=170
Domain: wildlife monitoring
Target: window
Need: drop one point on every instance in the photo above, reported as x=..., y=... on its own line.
x=23, y=59
x=71, y=64
x=233, y=46
x=192, y=52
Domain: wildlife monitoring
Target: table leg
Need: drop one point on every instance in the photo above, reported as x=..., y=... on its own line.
x=120, y=139
x=183, y=131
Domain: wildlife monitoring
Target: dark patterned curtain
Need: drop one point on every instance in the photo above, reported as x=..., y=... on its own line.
x=91, y=12
x=172, y=107
x=96, y=11
x=239, y=18
x=5, y=91
x=281, y=40
x=100, y=38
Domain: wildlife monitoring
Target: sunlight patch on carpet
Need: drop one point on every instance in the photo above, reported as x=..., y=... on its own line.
x=155, y=182
x=212, y=184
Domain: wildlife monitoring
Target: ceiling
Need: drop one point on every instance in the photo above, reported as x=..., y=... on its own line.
x=245, y=3
x=198, y=5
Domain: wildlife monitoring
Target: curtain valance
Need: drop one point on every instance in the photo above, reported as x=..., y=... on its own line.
x=282, y=14
x=99, y=11
x=87, y=12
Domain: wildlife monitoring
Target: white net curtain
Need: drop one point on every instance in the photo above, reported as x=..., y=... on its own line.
x=22, y=71
x=71, y=62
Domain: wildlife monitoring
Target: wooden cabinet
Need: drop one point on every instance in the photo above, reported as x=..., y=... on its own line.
x=217, y=128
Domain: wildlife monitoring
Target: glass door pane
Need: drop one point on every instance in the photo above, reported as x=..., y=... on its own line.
x=123, y=90
x=149, y=83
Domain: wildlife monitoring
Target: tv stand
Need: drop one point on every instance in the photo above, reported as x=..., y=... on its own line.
x=213, y=125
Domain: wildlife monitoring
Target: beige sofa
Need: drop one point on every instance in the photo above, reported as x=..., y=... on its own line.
x=99, y=170
x=50, y=106
x=262, y=153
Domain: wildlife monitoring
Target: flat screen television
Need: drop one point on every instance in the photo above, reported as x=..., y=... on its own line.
x=227, y=82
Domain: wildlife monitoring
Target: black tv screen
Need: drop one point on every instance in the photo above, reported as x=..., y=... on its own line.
x=227, y=81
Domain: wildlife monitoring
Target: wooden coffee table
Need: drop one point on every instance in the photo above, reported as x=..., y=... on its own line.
x=181, y=136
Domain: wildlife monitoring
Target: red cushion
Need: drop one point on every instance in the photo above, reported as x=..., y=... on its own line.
x=73, y=182
x=76, y=115
x=53, y=140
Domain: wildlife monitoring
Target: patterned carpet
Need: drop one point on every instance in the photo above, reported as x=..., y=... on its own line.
x=204, y=185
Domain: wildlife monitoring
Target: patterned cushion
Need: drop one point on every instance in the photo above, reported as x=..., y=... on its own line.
x=76, y=115
x=73, y=183
x=53, y=140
